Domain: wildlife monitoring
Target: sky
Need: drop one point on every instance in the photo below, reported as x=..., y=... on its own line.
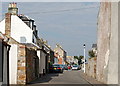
x=70, y=24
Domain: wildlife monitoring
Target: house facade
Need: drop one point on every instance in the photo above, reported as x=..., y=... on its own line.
x=60, y=54
x=15, y=26
x=23, y=54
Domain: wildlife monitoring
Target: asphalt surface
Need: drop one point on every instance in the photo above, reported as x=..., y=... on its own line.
x=67, y=77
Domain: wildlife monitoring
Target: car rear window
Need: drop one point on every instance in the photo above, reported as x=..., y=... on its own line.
x=56, y=65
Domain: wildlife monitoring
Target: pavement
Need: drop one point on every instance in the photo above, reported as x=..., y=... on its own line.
x=70, y=77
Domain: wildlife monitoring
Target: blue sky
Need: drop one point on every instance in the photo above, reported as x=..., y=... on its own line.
x=70, y=24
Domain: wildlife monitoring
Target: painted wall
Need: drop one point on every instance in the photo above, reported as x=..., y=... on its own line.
x=13, y=64
x=2, y=26
x=20, y=29
x=38, y=54
x=42, y=61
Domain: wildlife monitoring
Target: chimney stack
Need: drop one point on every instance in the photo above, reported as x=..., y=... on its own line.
x=8, y=24
x=13, y=8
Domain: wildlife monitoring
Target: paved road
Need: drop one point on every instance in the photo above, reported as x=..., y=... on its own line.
x=68, y=77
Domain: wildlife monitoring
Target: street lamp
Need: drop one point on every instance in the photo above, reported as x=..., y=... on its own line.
x=84, y=57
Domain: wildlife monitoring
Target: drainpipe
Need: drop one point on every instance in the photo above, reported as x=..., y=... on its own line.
x=8, y=49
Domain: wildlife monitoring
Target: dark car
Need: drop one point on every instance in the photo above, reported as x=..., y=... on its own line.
x=56, y=68
x=64, y=67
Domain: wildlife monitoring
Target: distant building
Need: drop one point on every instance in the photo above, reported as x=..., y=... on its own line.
x=71, y=60
x=60, y=55
x=94, y=49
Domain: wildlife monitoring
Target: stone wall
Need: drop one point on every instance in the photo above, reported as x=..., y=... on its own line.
x=32, y=65
x=28, y=63
x=91, y=67
x=107, y=58
x=8, y=24
x=21, y=76
x=103, y=43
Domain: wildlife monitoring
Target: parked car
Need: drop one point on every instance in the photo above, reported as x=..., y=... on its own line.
x=69, y=67
x=75, y=67
x=64, y=67
x=56, y=68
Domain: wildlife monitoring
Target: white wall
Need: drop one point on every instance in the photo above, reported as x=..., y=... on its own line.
x=13, y=64
x=2, y=26
x=38, y=54
x=42, y=62
x=20, y=29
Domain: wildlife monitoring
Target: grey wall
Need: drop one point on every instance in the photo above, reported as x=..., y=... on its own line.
x=119, y=43
x=5, y=66
x=107, y=60
x=103, y=42
x=113, y=58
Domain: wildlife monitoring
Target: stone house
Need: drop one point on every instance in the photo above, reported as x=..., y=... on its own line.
x=45, y=54
x=61, y=54
x=23, y=54
x=15, y=26
x=28, y=64
x=24, y=60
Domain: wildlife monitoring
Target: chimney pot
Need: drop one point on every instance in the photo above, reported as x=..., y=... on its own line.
x=15, y=5
x=9, y=5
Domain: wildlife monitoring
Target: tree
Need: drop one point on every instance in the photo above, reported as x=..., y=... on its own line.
x=91, y=53
x=80, y=59
x=75, y=57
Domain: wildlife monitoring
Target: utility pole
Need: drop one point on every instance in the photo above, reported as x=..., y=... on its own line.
x=84, y=57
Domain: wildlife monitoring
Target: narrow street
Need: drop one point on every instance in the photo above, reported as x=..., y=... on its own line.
x=68, y=77
x=79, y=40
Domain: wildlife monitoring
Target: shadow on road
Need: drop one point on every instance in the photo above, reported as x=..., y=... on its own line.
x=45, y=79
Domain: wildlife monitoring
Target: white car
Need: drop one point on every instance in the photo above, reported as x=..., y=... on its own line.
x=75, y=67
